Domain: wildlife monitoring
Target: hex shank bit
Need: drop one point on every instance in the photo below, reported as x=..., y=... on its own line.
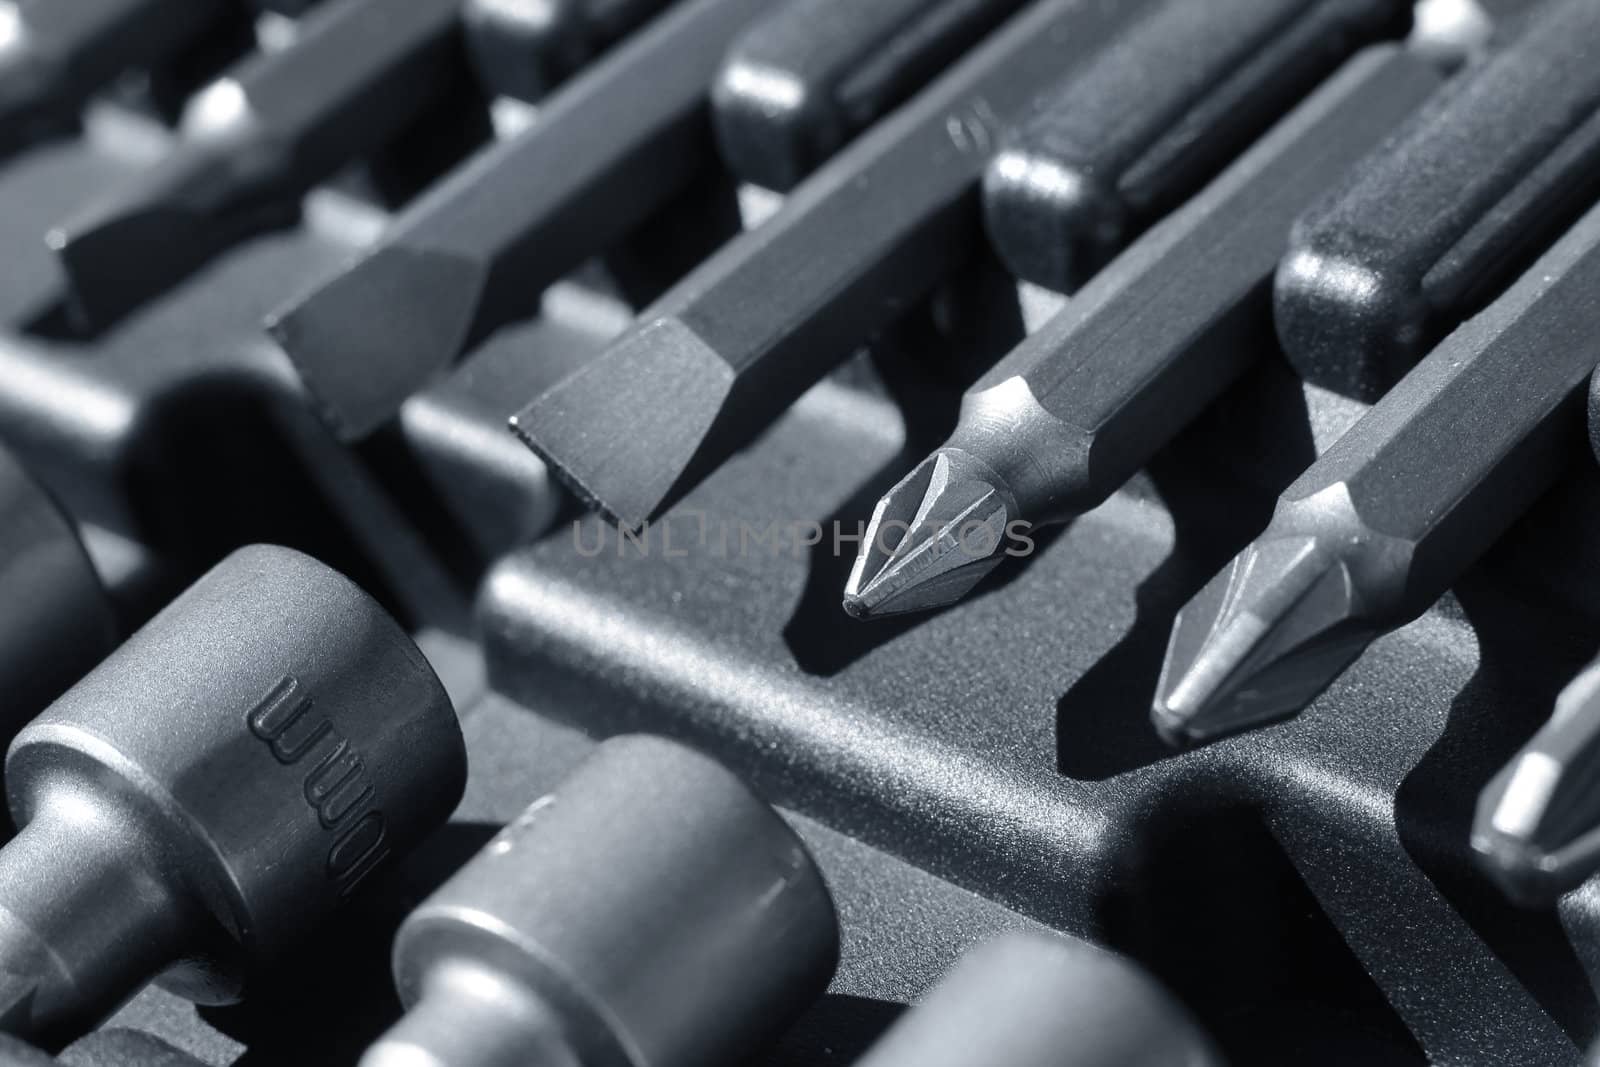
x=55, y=620
x=254, y=142
x=1440, y=219
x=474, y=253
x=650, y=912
x=1039, y=1000
x=813, y=74
x=54, y=54
x=524, y=48
x=1537, y=829
x=1389, y=517
x=1156, y=116
x=220, y=784
x=1078, y=407
x=722, y=353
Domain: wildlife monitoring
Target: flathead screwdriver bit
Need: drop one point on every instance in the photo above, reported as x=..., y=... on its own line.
x=604, y=153
x=852, y=249
x=650, y=912
x=1389, y=517
x=214, y=789
x=1156, y=116
x=813, y=74
x=254, y=142
x=1084, y=402
x=1441, y=218
x=55, y=54
x=1039, y=1000
x=1537, y=830
x=524, y=48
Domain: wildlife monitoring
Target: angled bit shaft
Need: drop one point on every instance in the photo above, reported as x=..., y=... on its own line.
x=812, y=75
x=474, y=253
x=1537, y=830
x=1154, y=117
x=721, y=354
x=1438, y=221
x=1071, y=413
x=55, y=53
x=524, y=48
x=254, y=142
x=1389, y=517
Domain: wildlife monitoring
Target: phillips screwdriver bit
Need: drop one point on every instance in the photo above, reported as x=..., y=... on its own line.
x=1537, y=830
x=54, y=54
x=807, y=78
x=524, y=48
x=733, y=344
x=1154, y=117
x=218, y=785
x=1439, y=220
x=55, y=619
x=1039, y=1000
x=651, y=912
x=474, y=253
x=1079, y=406
x=1387, y=519
x=254, y=142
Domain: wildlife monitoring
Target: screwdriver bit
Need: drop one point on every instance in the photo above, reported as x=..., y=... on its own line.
x=212, y=790
x=1537, y=830
x=813, y=74
x=733, y=344
x=474, y=253
x=54, y=54
x=254, y=142
x=55, y=619
x=524, y=48
x=1154, y=117
x=1439, y=220
x=1039, y=1000
x=650, y=912
x=1388, y=518
x=1083, y=403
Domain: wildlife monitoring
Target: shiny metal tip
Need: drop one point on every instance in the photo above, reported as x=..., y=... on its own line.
x=936, y=534
x=1536, y=832
x=1258, y=643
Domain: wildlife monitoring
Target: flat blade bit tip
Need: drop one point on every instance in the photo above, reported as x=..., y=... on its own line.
x=628, y=431
x=379, y=331
x=127, y=247
x=1259, y=642
x=109, y=256
x=932, y=538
